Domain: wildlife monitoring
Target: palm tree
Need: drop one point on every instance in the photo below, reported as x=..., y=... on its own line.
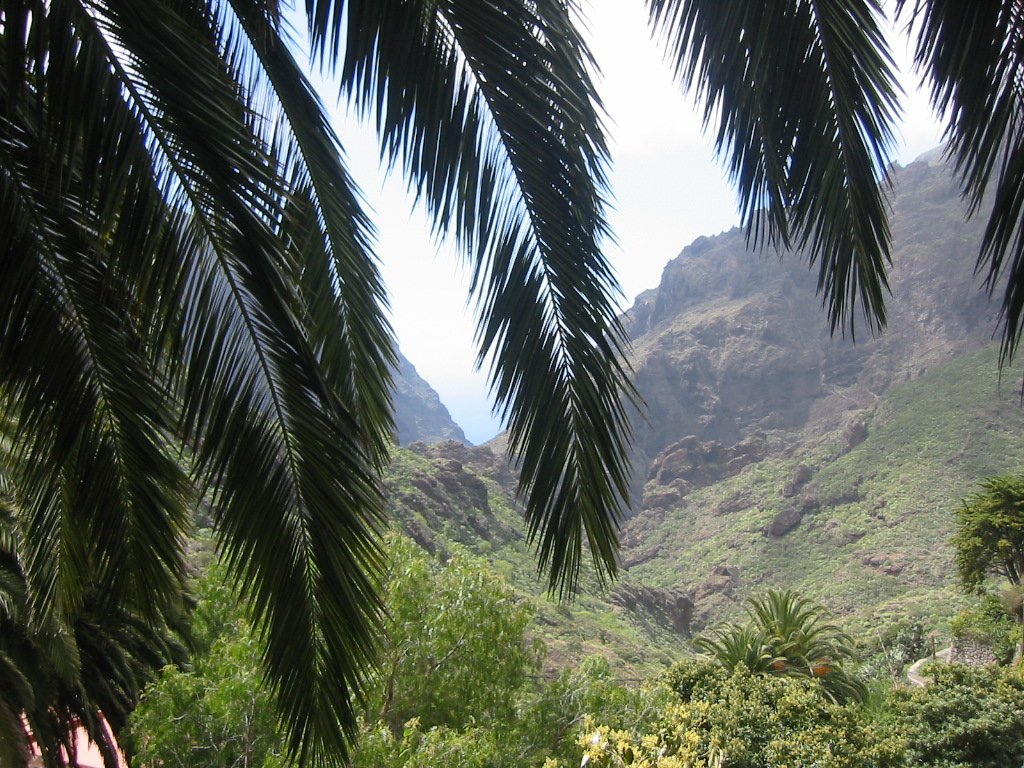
x=194, y=310
x=788, y=635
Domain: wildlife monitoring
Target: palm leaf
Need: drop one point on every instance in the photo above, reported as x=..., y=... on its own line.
x=489, y=109
x=178, y=267
x=285, y=370
x=804, y=99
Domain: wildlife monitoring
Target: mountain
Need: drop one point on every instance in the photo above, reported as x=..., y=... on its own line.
x=733, y=345
x=419, y=412
x=771, y=453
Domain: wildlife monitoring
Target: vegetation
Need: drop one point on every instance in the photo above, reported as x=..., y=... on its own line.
x=989, y=623
x=85, y=672
x=788, y=636
x=964, y=718
x=456, y=644
x=750, y=722
x=698, y=713
x=990, y=533
x=193, y=310
x=218, y=711
x=459, y=682
x=876, y=547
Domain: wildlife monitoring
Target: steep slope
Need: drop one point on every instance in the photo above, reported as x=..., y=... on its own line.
x=774, y=454
x=419, y=412
x=732, y=343
x=858, y=517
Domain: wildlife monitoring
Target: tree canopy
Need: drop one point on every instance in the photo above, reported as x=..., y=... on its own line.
x=990, y=533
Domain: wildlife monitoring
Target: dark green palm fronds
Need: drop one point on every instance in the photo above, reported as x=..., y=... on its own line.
x=791, y=636
x=187, y=264
x=972, y=56
x=506, y=151
x=734, y=646
x=804, y=100
x=194, y=311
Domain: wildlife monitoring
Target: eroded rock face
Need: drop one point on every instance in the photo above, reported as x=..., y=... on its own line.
x=669, y=606
x=736, y=364
x=452, y=495
x=688, y=463
x=733, y=344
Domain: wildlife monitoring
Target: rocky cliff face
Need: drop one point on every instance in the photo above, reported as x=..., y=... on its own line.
x=734, y=346
x=419, y=412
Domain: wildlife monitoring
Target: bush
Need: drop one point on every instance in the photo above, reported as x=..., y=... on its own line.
x=989, y=622
x=747, y=721
x=967, y=717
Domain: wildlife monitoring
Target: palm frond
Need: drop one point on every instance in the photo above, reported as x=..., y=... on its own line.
x=187, y=261
x=804, y=99
x=489, y=109
x=284, y=353
x=973, y=56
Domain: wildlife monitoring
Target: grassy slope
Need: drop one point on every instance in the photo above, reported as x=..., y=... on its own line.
x=876, y=547
x=440, y=504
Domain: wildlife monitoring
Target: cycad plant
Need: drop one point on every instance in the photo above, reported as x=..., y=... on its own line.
x=788, y=635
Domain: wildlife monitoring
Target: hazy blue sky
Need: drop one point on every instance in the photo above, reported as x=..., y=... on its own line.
x=668, y=190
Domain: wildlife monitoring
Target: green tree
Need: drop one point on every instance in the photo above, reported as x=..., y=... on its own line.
x=456, y=649
x=87, y=675
x=989, y=540
x=218, y=711
x=193, y=306
x=964, y=718
x=788, y=635
x=989, y=535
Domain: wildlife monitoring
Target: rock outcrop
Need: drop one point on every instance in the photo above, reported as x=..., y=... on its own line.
x=419, y=412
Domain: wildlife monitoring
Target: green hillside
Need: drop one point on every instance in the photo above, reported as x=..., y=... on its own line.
x=863, y=527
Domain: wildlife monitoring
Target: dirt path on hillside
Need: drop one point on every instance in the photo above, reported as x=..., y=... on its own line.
x=914, y=670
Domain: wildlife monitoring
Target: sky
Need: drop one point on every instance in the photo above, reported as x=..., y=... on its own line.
x=667, y=187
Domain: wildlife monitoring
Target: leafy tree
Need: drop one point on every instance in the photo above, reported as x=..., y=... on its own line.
x=85, y=674
x=965, y=717
x=788, y=635
x=456, y=649
x=990, y=538
x=990, y=533
x=219, y=711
